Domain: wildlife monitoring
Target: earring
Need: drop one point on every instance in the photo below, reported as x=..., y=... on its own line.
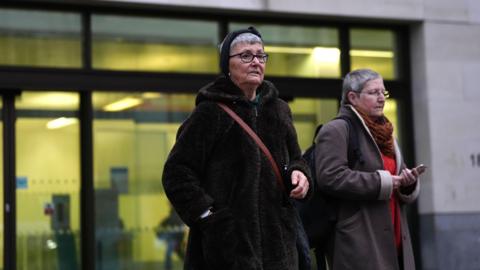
x=228, y=74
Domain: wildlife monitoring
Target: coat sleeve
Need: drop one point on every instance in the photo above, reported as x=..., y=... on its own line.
x=182, y=174
x=409, y=195
x=295, y=156
x=333, y=174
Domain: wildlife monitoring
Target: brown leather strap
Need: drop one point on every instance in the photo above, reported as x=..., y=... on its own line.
x=257, y=140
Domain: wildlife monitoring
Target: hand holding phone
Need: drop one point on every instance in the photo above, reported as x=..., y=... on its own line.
x=419, y=169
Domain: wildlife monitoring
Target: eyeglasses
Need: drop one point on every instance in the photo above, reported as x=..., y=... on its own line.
x=376, y=93
x=248, y=57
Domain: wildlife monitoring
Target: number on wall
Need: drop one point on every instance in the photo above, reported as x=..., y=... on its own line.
x=475, y=160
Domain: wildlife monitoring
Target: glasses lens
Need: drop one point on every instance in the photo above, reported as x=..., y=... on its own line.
x=263, y=58
x=246, y=57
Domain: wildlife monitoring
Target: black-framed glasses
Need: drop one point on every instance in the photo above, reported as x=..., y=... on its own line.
x=377, y=93
x=248, y=57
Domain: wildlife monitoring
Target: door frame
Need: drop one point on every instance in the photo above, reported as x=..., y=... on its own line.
x=9, y=178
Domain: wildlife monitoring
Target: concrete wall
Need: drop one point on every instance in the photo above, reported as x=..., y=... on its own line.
x=445, y=67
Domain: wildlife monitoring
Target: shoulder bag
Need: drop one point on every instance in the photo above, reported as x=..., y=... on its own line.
x=303, y=248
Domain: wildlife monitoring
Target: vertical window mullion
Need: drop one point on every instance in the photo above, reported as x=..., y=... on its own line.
x=86, y=40
x=344, y=49
x=87, y=198
x=87, y=195
x=9, y=178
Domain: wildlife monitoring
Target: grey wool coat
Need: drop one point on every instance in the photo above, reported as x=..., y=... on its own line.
x=363, y=237
x=215, y=163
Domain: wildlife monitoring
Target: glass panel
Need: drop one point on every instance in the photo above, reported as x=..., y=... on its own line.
x=374, y=49
x=391, y=112
x=147, y=44
x=308, y=113
x=133, y=134
x=48, y=181
x=40, y=38
x=298, y=51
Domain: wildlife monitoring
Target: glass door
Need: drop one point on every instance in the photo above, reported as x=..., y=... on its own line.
x=133, y=133
x=48, y=181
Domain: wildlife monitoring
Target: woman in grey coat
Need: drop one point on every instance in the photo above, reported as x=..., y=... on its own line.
x=371, y=232
x=220, y=182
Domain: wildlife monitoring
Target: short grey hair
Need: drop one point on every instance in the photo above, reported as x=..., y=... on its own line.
x=356, y=80
x=248, y=38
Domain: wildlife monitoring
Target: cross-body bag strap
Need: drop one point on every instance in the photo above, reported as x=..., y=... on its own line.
x=257, y=140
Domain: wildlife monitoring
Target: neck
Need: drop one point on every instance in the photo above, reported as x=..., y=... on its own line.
x=249, y=92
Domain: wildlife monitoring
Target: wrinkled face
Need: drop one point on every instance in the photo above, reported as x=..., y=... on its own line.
x=246, y=75
x=371, y=99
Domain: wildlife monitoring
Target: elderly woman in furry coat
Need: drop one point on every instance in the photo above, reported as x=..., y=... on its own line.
x=221, y=183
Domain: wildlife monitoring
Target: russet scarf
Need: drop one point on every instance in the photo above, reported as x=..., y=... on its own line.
x=382, y=132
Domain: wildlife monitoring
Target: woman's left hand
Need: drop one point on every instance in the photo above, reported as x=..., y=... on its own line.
x=300, y=182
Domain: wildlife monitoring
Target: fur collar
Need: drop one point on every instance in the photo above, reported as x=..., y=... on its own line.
x=224, y=90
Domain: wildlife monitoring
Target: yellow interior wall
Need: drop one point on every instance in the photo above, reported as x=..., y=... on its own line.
x=50, y=161
x=383, y=65
x=40, y=51
x=391, y=112
x=302, y=65
x=146, y=211
x=319, y=110
x=155, y=57
x=142, y=148
x=114, y=145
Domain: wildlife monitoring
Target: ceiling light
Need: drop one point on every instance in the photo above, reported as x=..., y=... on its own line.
x=328, y=55
x=61, y=122
x=370, y=53
x=122, y=104
x=151, y=95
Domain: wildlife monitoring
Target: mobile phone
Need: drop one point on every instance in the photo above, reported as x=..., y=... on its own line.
x=420, y=169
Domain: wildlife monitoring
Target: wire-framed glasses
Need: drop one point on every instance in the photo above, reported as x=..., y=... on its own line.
x=376, y=93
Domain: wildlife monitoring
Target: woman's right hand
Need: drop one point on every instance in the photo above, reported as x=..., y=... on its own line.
x=408, y=178
x=405, y=179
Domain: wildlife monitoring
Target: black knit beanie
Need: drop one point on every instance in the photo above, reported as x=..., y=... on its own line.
x=225, y=50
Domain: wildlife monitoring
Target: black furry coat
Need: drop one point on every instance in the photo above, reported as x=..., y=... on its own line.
x=214, y=163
